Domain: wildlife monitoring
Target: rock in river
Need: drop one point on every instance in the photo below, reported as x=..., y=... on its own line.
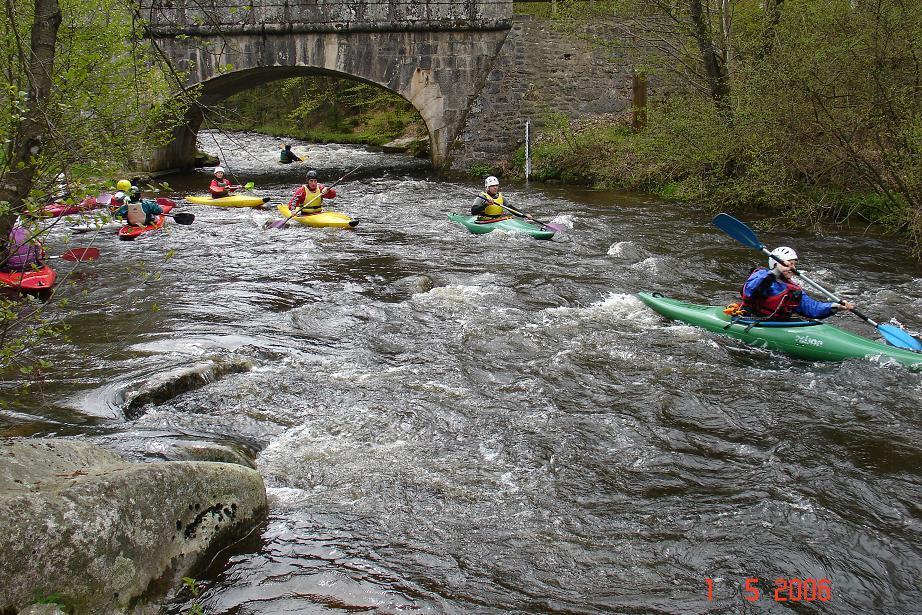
x=81, y=523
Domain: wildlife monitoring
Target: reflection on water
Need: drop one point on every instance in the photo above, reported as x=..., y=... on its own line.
x=450, y=423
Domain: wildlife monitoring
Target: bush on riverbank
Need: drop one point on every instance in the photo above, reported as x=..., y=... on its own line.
x=687, y=154
x=807, y=108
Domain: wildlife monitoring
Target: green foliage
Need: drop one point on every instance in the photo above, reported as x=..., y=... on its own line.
x=480, y=170
x=109, y=95
x=823, y=115
x=193, y=587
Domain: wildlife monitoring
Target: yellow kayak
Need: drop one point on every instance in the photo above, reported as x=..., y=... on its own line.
x=323, y=219
x=234, y=200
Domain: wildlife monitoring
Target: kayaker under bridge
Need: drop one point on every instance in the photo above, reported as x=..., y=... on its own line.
x=435, y=53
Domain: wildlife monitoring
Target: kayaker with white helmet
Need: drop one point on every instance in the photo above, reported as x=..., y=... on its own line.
x=135, y=210
x=489, y=204
x=772, y=293
x=309, y=197
x=220, y=185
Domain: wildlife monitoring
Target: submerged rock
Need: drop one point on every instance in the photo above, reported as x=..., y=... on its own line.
x=204, y=159
x=163, y=387
x=415, y=146
x=97, y=532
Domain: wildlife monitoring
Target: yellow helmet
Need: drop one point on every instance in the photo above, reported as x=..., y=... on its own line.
x=124, y=185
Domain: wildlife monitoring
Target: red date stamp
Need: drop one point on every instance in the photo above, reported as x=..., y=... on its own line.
x=785, y=590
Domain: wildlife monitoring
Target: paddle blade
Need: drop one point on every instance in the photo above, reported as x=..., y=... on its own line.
x=248, y=186
x=738, y=231
x=899, y=338
x=277, y=224
x=81, y=254
x=184, y=218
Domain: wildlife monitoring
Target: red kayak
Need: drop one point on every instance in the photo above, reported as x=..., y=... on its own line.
x=31, y=281
x=54, y=210
x=129, y=232
x=57, y=209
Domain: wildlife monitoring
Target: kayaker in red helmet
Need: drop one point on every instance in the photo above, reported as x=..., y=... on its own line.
x=22, y=251
x=220, y=185
x=772, y=294
x=309, y=197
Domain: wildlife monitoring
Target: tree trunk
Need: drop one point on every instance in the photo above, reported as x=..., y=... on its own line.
x=714, y=65
x=18, y=176
x=772, y=18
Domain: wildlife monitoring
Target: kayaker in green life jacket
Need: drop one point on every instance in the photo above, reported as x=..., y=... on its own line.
x=135, y=210
x=489, y=205
x=772, y=293
x=286, y=156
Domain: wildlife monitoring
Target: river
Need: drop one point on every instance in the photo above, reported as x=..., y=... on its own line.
x=450, y=423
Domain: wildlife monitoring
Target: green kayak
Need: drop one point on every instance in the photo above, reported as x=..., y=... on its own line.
x=807, y=339
x=508, y=224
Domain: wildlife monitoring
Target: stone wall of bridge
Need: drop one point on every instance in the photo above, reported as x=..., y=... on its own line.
x=540, y=71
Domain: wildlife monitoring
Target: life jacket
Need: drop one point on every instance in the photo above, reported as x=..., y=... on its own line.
x=135, y=215
x=23, y=254
x=780, y=306
x=492, y=210
x=218, y=187
x=313, y=204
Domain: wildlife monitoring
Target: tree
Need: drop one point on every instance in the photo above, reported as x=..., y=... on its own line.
x=81, y=95
x=28, y=132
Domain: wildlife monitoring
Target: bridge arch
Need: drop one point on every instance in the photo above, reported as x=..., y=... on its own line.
x=436, y=54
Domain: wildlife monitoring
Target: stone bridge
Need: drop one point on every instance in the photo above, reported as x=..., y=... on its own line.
x=437, y=54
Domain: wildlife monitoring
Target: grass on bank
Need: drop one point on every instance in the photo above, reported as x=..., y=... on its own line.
x=687, y=153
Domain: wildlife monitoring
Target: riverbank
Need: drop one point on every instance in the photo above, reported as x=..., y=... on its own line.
x=704, y=162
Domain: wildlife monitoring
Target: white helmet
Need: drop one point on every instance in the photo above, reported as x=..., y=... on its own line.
x=491, y=181
x=218, y=170
x=783, y=253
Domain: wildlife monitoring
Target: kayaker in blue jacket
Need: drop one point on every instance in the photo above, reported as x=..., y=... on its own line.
x=138, y=211
x=772, y=293
x=489, y=205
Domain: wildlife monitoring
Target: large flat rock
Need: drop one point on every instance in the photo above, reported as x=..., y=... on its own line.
x=81, y=523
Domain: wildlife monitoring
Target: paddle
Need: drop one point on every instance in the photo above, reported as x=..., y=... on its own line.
x=894, y=335
x=516, y=212
x=284, y=223
x=181, y=218
x=79, y=254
